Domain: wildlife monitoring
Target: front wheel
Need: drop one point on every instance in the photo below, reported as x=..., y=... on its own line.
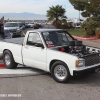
x=60, y=72
x=9, y=60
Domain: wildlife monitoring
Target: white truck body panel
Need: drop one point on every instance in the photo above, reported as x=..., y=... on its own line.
x=14, y=48
x=61, y=56
x=34, y=57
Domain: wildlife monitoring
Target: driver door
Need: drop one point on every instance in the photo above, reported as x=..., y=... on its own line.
x=34, y=56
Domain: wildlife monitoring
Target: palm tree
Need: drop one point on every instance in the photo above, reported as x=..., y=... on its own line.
x=78, y=5
x=56, y=14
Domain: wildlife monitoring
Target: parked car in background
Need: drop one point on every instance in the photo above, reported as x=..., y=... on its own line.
x=22, y=25
x=8, y=34
x=30, y=25
x=40, y=25
x=14, y=28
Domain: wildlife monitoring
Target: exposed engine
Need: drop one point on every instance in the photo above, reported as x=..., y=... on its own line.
x=76, y=48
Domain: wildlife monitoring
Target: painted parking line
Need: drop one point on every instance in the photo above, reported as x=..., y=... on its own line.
x=21, y=70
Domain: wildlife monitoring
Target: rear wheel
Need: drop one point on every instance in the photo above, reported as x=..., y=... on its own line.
x=9, y=60
x=60, y=72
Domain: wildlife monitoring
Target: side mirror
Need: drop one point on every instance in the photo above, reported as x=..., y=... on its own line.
x=39, y=45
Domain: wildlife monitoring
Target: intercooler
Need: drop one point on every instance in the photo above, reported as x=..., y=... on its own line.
x=92, y=59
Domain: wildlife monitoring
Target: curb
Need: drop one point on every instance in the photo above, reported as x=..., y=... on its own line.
x=81, y=38
x=2, y=66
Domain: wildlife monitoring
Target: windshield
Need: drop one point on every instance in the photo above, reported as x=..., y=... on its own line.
x=11, y=25
x=56, y=38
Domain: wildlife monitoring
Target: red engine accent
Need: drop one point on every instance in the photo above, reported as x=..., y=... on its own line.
x=62, y=49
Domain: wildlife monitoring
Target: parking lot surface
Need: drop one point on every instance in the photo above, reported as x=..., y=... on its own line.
x=43, y=87
x=21, y=70
x=94, y=43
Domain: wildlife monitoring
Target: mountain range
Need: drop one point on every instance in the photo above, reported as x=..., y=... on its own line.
x=23, y=16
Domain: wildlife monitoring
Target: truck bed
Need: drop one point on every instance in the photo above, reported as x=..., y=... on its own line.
x=14, y=40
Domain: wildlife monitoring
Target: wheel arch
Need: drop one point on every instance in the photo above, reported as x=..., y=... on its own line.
x=55, y=60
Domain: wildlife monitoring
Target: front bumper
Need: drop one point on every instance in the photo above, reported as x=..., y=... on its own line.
x=16, y=33
x=86, y=71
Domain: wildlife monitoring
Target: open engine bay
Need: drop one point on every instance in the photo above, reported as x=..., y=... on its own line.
x=76, y=48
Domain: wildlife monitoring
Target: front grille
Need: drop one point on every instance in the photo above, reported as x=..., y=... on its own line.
x=12, y=30
x=92, y=59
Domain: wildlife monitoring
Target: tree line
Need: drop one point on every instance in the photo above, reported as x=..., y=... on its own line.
x=89, y=9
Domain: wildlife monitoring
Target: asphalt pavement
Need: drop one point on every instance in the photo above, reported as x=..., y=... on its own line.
x=43, y=87
x=93, y=43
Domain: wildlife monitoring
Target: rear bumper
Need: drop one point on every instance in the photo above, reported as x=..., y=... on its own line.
x=86, y=71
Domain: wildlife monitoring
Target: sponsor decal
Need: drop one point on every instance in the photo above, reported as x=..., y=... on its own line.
x=49, y=44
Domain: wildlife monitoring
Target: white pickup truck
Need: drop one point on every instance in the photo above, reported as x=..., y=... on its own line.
x=51, y=50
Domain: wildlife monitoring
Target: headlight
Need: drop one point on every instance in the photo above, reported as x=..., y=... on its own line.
x=80, y=63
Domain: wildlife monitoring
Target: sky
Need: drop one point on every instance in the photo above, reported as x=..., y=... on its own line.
x=36, y=6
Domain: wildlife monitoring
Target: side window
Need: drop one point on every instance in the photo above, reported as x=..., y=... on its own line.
x=33, y=38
